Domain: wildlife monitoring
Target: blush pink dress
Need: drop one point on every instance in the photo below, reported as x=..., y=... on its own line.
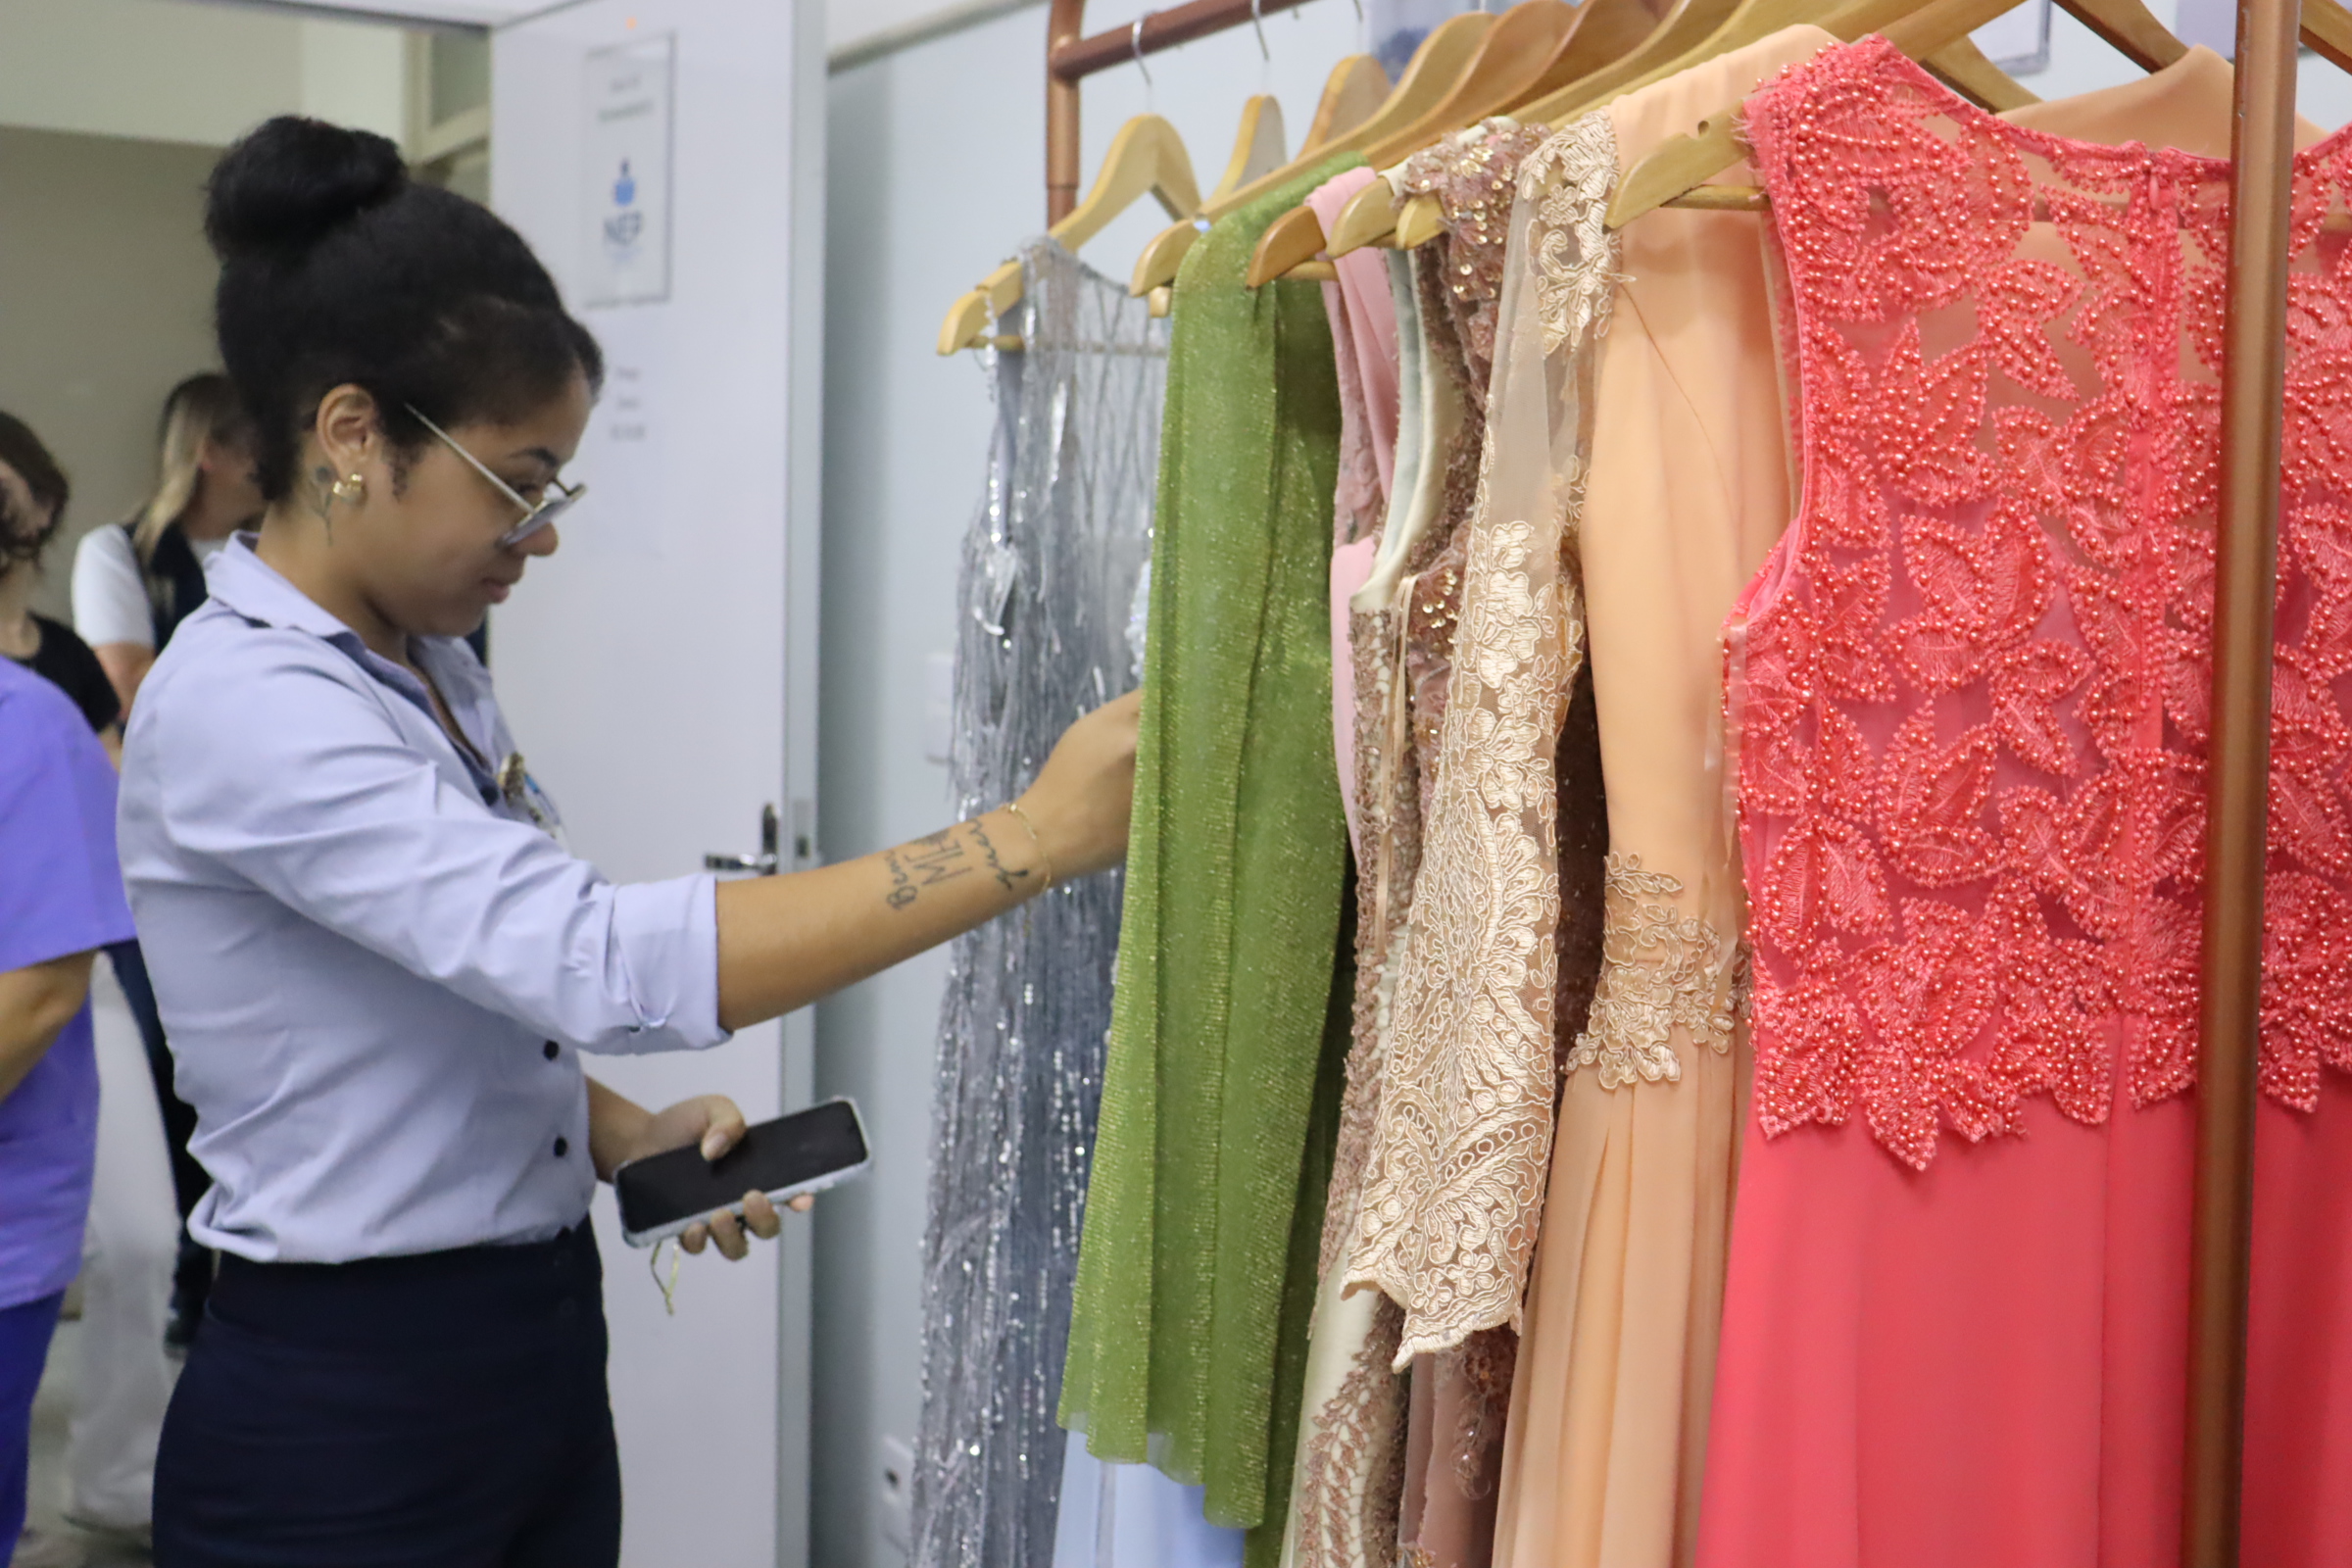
x=1363, y=341
x=1968, y=704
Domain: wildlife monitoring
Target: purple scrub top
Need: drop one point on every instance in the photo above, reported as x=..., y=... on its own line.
x=61, y=891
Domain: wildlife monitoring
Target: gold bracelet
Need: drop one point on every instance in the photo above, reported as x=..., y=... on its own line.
x=1014, y=807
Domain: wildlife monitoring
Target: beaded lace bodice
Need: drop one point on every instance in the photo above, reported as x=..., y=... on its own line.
x=1971, y=689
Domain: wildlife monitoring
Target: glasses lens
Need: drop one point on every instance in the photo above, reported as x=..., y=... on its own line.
x=548, y=510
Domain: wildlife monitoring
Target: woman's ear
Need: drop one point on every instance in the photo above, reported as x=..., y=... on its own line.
x=350, y=432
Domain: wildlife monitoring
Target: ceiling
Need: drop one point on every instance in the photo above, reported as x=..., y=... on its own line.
x=467, y=13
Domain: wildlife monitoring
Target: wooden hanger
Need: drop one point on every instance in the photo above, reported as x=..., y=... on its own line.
x=1601, y=32
x=1257, y=145
x=1145, y=158
x=1604, y=32
x=1256, y=151
x=2129, y=28
x=1678, y=170
x=1693, y=31
x=1685, y=27
x=1520, y=56
x=1963, y=68
x=1510, y=63
x=1443, y=56
x=1351, y=96
x=2327, y=32
x=1680, y=166
x=1440, y=62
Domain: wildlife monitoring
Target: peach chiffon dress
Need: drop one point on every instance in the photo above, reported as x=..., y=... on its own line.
x=1685, y=490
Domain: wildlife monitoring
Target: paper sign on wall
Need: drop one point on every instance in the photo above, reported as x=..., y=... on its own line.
x=625, y=206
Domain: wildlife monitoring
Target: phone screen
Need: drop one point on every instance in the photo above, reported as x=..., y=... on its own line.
x=774, y=1157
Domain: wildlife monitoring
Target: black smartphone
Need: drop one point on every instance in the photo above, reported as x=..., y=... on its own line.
x=805, y=1152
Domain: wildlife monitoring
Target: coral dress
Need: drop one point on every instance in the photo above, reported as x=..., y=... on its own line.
x=1969, y=696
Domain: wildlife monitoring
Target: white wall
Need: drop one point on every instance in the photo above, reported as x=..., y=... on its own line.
x=649, y=666
x=167, y=70
x=111, y=114
x=105, y=302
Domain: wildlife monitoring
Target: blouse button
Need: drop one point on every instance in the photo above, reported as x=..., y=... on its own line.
x=562, y=1147
x=549, y=1051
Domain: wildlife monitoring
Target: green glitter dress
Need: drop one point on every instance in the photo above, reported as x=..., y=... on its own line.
x=1229, y=1024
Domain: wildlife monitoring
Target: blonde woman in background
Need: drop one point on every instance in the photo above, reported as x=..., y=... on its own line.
x=135, y=582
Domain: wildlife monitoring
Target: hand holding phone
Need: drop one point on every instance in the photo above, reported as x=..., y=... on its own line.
x=663, y=1195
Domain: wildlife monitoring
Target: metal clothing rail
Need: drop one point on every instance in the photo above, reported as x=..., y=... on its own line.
x=2252, y=426
x=1071, y=58
x=2246, y=566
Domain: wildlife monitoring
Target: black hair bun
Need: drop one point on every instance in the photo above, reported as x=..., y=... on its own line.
x=291, y=180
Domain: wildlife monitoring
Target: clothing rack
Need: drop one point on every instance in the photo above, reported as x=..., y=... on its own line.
x=2246, y=547
x=2238, y=809
x=1071, y=58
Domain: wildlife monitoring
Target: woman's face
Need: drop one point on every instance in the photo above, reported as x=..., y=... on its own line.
x=21, y=517
x=429, y=555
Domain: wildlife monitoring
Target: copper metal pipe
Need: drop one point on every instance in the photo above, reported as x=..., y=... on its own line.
x=2253, y=417
x=1161, y=29
x=1071, y=58
x=1064, y=23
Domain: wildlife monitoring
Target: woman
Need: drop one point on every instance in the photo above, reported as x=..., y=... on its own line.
x=61, y=899
x=134, y=583
x=36, y=492
x=377, y=966
x=126, y=1252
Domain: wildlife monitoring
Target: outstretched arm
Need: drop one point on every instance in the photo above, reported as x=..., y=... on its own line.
x=787, y=940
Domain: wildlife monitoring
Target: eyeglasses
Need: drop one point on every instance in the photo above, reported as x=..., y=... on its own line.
x=535, y=517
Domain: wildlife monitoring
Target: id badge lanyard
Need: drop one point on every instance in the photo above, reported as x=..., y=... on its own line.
x=522, y=793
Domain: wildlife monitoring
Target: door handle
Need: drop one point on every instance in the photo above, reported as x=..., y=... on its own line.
x=765, y=863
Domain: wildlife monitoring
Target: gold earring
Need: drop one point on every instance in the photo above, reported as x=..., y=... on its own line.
x=353, y=490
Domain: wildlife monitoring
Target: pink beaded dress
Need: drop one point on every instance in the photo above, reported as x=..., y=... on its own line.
x=1968, y=701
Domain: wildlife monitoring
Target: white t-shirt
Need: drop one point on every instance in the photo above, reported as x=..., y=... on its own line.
x=110, y=598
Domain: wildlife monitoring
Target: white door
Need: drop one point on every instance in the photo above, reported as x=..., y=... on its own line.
x=659, y=670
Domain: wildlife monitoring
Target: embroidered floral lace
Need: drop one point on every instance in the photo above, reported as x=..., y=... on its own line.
x=1973, y=707
x=1453, y=1190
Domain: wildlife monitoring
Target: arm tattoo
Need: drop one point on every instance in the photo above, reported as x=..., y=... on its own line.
x=1009, y=881
x=939, y=857
x=902, y=887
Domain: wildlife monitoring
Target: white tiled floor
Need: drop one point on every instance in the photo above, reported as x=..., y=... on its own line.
x=51, y=1409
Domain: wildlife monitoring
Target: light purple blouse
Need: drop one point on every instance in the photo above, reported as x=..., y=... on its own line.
x=376, y=969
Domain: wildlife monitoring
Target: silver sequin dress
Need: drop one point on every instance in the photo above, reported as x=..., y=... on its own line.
x=1048, y=630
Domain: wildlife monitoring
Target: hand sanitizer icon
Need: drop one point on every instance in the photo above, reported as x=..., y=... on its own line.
x=624, y=189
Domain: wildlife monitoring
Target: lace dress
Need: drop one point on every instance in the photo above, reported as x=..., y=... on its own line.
x=1444, y=1134
x=1684, y=488
x=1970, y=689
x=1051, y=567
x=1419, y=1226
x=1220, y=1098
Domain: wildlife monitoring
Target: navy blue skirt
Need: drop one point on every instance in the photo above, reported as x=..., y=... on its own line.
x=439, y=1411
